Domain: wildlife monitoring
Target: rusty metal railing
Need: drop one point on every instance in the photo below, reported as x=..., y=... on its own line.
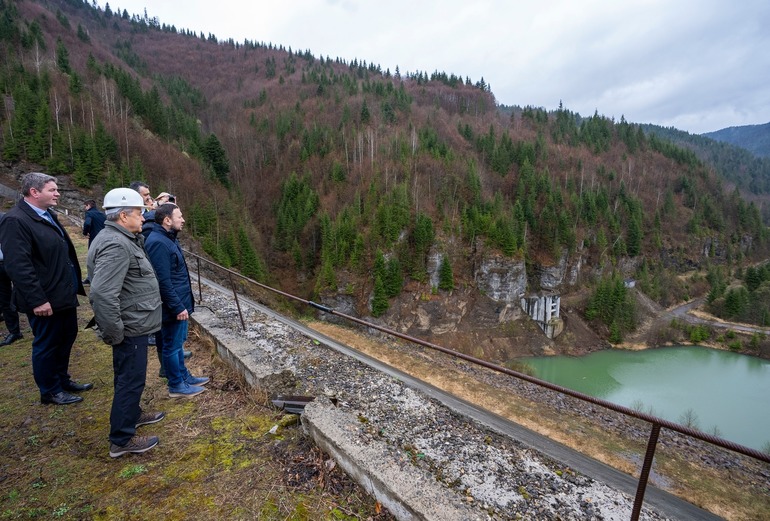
x=655, y=422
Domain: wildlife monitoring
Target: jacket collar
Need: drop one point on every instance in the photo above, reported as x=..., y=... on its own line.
x=27, y=209
x=160, y=229
x=118, y=228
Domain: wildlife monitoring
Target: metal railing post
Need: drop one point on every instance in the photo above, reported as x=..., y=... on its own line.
x=200, y=287
x=644, y=476
x=237, y=302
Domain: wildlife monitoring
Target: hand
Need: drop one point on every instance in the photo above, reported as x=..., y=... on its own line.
x=184, y=315
x=45, y=310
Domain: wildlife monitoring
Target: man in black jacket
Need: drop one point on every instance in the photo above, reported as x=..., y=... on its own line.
x=93, y=222
x=41, y=261
x=8, y=310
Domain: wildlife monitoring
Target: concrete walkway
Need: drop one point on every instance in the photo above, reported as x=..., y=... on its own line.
x=409, y=493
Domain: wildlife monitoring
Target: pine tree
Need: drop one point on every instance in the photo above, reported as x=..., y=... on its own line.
x=445, y=276
x=216, y=157
x=394, y=279
x=634, y=237
x=380, y=300
x=251, y=266
x=616, y=336
x=365, y=115
x=62, y=57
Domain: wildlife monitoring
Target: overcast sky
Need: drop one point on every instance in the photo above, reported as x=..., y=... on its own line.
x=697, y=65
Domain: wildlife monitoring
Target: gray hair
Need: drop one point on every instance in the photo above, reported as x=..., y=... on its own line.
x=113, y=213
x=36, y=180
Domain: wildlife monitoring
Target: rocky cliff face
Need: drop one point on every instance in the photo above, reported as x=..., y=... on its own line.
x=501, y=279
x=482, y=317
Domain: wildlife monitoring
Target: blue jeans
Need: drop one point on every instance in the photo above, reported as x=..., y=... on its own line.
x=129, y=363
x=174, y=336
x=51, y=348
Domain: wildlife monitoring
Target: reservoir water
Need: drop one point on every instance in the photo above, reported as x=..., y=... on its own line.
x=723, y=393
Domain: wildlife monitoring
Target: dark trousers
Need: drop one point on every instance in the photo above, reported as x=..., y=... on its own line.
x=10, y=315
x=129, y=363
x=159, y=348
x=51, y=347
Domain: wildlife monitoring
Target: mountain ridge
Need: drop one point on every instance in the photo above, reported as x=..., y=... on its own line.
x=754, y=138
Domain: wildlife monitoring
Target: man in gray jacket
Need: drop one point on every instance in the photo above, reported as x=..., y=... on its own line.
x=126, y=301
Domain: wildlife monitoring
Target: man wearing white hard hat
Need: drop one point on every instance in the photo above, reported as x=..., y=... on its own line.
x=127, y=307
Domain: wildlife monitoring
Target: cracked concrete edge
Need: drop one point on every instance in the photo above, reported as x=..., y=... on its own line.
x=239, y=353
x=409, y=494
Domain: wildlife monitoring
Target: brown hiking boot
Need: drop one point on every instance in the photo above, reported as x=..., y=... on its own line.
x=147, y=418
x=135, y=445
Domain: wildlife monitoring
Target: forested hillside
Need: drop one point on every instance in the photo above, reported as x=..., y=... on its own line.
x=322, y=174
x=754, y=138
x=746, y=171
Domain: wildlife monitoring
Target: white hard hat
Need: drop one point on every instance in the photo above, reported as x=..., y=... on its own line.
x=123, y=198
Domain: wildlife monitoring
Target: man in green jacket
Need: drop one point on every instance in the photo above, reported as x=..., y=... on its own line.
x=126, y=301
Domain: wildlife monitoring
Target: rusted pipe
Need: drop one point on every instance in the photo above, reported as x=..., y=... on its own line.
x=644, y=475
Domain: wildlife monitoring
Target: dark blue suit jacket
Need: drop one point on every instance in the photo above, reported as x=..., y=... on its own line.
x=171, y=269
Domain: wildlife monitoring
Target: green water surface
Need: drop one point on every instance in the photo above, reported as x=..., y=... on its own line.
x=725, y=393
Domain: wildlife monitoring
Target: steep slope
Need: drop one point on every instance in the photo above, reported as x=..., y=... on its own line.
x=334, y=179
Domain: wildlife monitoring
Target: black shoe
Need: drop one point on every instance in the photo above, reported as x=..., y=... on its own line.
x=186, y=353
x=61, y=398
x=74, y=387
x=86, y=282
x=11, y=338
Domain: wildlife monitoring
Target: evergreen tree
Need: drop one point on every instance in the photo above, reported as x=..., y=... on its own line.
x=83, y=34
x=394, y=279
x=753, y=278
x=445, y=276
x=380, y=299
x=62, y=57
x=616, y=336
x=634, y=237
x=251, y=266
x=216, y=157
x=365, y=115
x=298, y=204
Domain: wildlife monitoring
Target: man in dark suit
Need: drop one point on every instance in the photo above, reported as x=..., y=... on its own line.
x=8, y=310
x=41, y=261
x=93, y=222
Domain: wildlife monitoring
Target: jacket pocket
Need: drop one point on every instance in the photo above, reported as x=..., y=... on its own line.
x=149, y=304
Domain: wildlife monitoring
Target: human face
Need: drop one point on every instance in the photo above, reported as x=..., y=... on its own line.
x=176, y=220
x=132, y=221
x=45, y=198
x=145, y=193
